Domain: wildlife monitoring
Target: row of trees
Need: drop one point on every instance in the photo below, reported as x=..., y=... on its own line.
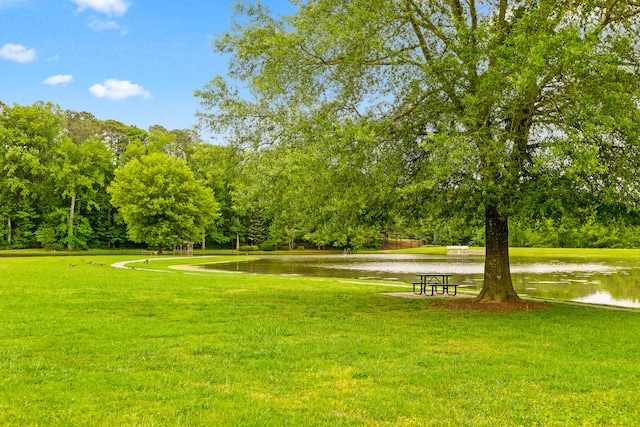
x=69, y=180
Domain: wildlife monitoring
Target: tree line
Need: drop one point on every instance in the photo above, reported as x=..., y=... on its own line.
x=58, y=189
x=59, y=185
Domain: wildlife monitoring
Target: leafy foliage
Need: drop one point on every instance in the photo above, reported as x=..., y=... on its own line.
x=470, y=106
x=29, y=136
x=161, y=202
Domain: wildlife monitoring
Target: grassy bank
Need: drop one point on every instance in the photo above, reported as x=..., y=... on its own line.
x=94, y=345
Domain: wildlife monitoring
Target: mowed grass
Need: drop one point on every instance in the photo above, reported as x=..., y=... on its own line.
x=95, y=345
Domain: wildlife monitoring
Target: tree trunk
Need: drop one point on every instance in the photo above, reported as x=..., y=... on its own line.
x=497, y=286
x=9, y=230
x=72, y=213
x=110, y=244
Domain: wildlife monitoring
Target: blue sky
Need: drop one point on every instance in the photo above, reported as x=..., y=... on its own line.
x=135, y=61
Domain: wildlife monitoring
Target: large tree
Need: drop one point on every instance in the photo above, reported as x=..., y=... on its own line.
x=219, y=167
x=492, y=102
x=29, y=136
x=80, y=172
x=326, y=189
x=161, y=201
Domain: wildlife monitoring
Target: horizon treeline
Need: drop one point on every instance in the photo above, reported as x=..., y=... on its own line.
x=56, y=166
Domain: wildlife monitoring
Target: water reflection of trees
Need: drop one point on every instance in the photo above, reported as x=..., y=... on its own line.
x=623, y=285
x=568, y=279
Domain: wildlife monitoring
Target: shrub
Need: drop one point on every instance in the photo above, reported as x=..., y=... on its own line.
x=47, y=238
x=268, y=246
x=248, y=248
x=301, y=248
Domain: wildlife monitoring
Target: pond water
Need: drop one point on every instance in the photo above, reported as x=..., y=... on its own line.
x=597, y=281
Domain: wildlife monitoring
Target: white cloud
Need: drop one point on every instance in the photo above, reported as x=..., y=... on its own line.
x=59, y=79
x=99, y=25
x=107, y=7
x=17, y=53
x=118, y=90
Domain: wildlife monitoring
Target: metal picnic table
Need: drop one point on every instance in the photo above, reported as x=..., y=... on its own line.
x=435, y=280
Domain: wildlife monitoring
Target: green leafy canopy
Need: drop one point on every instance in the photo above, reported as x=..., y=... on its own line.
x=474, y=105
x=161, y=201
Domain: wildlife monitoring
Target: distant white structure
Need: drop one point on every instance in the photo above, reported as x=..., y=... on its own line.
x=463, y=250
x=457, y=250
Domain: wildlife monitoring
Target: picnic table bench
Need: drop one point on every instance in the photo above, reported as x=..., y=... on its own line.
x=435, y=280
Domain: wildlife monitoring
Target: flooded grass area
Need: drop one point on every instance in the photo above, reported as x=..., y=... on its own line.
x=592, y=279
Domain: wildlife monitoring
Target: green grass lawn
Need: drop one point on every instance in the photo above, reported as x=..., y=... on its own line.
x=95, y=345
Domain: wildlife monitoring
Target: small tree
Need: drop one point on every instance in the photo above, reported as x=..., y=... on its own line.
x=161, y=201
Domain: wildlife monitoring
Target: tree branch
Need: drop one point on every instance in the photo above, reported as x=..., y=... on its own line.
x=427, y=54
x=502, y=13
x=428, y=24
x=474, y=15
